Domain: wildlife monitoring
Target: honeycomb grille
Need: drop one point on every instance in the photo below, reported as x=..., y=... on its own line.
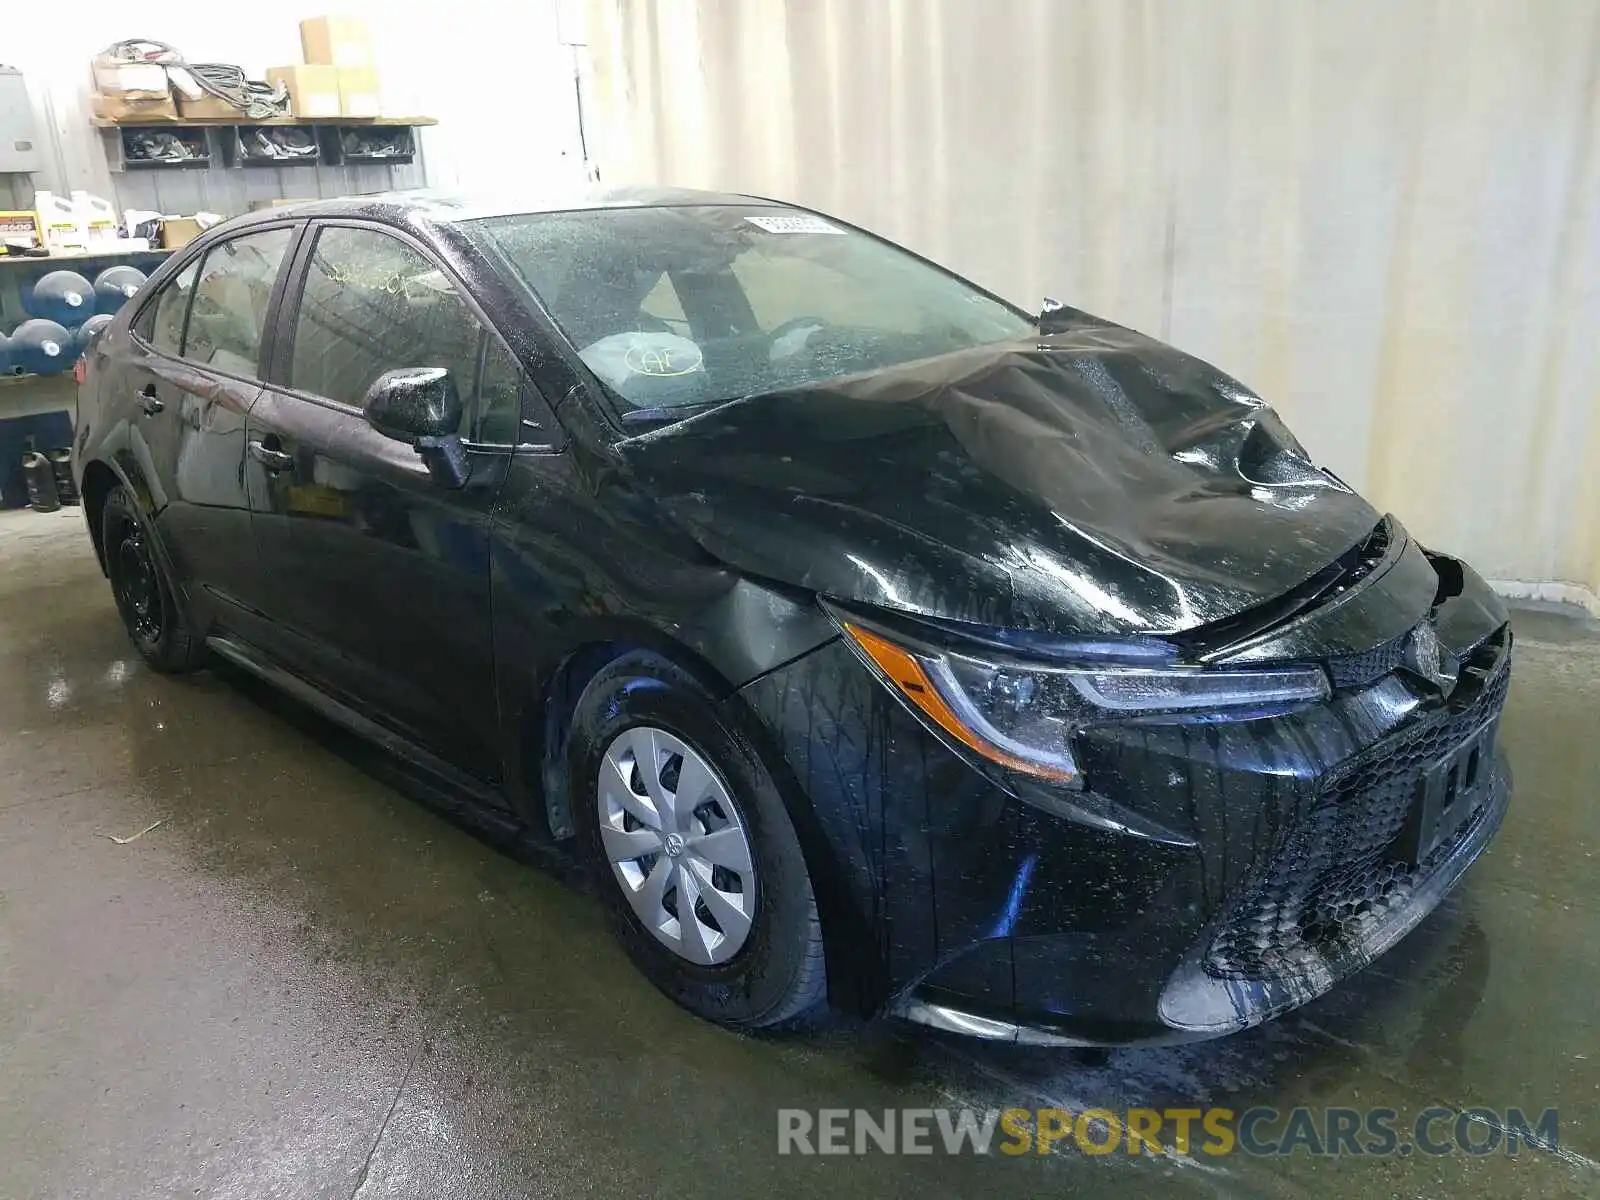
x=1354, y=670
x=1335, y=878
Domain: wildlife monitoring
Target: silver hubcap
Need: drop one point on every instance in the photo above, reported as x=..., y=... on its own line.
x=676, y=845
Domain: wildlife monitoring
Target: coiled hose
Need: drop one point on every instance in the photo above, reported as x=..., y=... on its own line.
x=225, y=81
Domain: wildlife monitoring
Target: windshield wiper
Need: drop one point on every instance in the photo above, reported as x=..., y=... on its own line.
x=666, y=414
x=682, y=412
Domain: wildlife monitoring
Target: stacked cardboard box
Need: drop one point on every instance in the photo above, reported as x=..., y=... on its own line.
x=336, y=41
x=119, y=107
x=130, y=80
x=313, y=89
x=131, y=91
x=337, y=79
x=358, y=92
x=207, y=107
x=341, y=45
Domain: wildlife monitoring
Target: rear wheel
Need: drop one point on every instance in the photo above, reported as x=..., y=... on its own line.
x=145, y=597
x=699, y=864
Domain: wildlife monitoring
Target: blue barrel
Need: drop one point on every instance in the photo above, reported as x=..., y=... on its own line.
x=115, y=286
x=64, y=297
x=88, y=331
x=42, y=347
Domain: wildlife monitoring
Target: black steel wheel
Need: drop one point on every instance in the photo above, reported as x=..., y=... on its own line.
x=144, y=595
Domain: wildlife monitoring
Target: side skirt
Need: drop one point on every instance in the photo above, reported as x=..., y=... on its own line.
x=456, y=784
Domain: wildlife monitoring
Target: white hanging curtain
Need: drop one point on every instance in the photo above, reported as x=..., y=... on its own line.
x=1383, y=215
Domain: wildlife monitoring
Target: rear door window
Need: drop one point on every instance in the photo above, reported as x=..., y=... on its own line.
x=230, y=301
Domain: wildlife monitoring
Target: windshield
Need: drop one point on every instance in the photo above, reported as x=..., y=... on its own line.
x=680, y=309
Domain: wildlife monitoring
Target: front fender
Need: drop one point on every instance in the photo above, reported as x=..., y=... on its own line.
x=745, y=630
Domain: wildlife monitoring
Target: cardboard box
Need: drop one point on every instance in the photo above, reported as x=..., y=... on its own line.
x=208, y=108
x=358, y=92
x=120, y=107
x=178, y=231
x=130, y=79
x=183, y=83
x=336, y=42
x=313, y=89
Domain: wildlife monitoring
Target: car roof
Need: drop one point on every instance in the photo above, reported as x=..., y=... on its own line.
x=440, y=207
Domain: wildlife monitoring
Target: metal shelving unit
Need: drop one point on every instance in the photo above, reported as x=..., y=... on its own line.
x=197, y=132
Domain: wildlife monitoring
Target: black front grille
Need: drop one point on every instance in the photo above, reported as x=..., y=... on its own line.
x=1337, y=874
x=1354, y=670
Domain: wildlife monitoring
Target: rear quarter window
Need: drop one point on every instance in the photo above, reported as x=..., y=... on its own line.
x=161, y=322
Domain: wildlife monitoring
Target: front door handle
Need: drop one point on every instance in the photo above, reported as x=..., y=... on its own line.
x=150, y=400
x=272, y=460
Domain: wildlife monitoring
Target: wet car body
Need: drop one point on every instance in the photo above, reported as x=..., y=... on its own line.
x=1080, y=483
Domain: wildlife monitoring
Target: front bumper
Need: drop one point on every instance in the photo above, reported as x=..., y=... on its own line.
x=1265, y=863
x=1196, y=1003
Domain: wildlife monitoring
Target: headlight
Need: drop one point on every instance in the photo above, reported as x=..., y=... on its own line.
x=1022, y=715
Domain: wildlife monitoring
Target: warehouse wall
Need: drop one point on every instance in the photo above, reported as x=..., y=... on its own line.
x=1384, y=215
x=473, y=70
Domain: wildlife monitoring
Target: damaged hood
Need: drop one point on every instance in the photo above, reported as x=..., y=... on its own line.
x=1091, y=481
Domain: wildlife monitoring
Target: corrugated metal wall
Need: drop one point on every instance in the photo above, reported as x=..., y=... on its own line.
x=496, y=77
x=56, y=69
x=16, y=192
x=1384, y=215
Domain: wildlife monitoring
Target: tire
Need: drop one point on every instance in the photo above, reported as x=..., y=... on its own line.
x=770, y=973
x=145, y=597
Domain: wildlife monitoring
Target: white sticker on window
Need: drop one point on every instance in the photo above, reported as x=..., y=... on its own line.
x=795, y=224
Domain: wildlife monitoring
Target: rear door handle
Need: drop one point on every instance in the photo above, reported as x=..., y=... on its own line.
x=272, y=460
x=150, y=401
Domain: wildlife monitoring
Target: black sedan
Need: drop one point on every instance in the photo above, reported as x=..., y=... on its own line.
x=874, y=641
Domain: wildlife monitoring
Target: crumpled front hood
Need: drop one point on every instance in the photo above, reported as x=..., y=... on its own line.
x=1093, y=481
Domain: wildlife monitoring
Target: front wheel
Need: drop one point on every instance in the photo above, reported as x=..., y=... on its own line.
x=700, y=866
x=144, y=595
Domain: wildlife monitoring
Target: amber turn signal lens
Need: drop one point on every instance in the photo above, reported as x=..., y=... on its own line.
x=904, y=671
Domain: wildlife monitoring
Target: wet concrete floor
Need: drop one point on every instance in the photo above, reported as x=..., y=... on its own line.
x=306, y=983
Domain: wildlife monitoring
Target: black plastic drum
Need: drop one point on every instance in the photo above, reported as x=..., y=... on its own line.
x=41, y=480
x=61, y=467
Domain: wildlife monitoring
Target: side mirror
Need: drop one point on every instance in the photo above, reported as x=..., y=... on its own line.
x=420, y=405
x=413, y=402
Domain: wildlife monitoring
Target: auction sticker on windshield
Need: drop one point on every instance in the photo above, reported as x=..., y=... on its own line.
x=796, y=224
